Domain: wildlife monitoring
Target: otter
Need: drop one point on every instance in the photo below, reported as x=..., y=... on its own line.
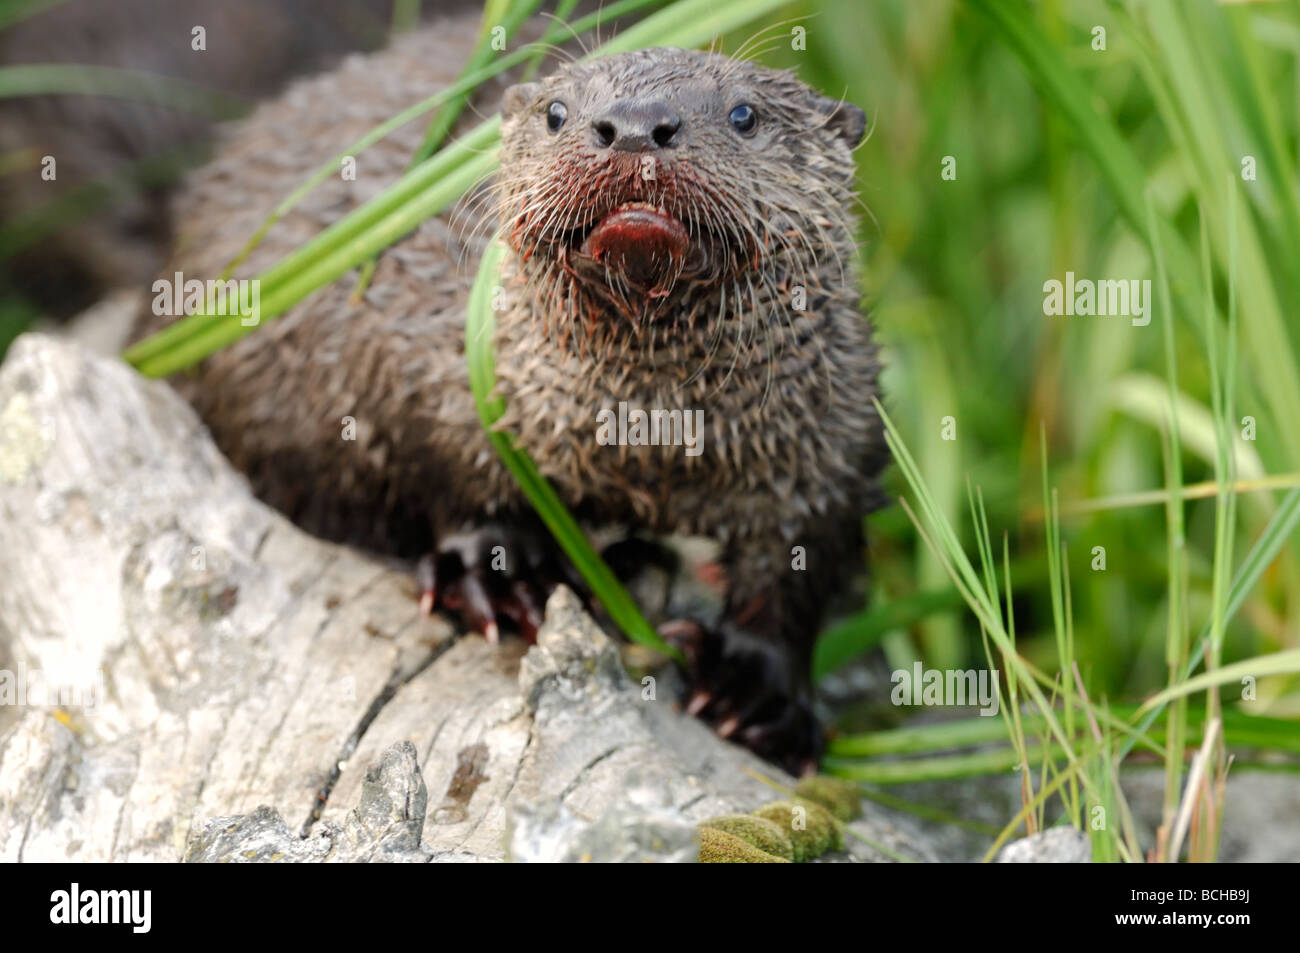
x=679, y=235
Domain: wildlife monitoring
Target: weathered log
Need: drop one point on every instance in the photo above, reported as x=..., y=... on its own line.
x=239, y=682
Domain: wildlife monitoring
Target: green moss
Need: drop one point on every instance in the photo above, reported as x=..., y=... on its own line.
x=719, y=847
x=813, y=829
x=757, y=831
x=838, y=796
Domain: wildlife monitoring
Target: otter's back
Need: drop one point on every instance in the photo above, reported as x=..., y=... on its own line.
x=278, y=401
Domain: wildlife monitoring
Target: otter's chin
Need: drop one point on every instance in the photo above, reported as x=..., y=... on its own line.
x=641, y=242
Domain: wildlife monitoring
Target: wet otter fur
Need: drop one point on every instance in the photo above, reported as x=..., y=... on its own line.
x=663, y=251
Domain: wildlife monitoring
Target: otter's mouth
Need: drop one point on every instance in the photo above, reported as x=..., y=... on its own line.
x=641, y=242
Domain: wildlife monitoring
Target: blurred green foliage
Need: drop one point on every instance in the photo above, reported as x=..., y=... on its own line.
x=954, y=274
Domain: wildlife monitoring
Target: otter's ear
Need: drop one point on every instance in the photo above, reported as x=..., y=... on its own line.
x=842, y=118
x=518, y=97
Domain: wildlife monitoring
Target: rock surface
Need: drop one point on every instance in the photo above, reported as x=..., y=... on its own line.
x=1057, y=845
x=204, y=681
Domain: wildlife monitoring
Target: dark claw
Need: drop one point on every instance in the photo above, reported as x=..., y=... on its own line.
x=523, y=608
x=460, y=577
x=749, y=690
x=699, y=701
x=728, y=727
x=426, y=577
x=687, y=636
x=478, y=606
x=531, y=612
x=683, y=633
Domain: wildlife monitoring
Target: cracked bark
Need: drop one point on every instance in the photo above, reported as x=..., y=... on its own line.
x=250, y=671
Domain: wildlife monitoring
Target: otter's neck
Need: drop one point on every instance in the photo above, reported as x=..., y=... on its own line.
x=737, y=334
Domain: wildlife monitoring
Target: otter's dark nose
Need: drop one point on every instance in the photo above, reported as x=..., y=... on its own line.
x=636, y=126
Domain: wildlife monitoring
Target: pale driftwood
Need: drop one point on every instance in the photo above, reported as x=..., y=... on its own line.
x=250, y=670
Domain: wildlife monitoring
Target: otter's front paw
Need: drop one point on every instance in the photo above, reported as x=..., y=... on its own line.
x=492, y=573
x=749, y=691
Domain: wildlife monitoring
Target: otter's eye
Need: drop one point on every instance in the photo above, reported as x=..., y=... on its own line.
x=556, y=113
x=744, y=119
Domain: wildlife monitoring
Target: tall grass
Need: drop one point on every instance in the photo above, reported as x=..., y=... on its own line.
x=1162, y=172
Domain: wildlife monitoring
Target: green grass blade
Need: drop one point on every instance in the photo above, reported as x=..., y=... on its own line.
x=1276, y=535
x=1276, y=663
x=479, y=331
x=39, y=79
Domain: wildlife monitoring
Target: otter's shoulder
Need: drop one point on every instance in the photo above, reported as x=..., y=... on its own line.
x=261, y=160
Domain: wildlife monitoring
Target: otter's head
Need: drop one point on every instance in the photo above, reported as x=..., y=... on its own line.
x=633, y=179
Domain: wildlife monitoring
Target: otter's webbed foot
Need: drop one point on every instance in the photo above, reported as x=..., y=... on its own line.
x=749, y=690
x=491, y=574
